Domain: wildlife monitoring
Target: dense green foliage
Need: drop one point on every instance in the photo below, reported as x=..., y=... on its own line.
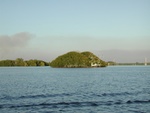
x=7, y=63
x=94, y=59
x=71, y=59
x=76, y=59
x=21, y=62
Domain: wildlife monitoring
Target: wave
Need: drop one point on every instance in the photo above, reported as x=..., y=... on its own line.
x=66, y=94
x=114, y=94
x=138, y=101
x=76, y=104
x=36, y=96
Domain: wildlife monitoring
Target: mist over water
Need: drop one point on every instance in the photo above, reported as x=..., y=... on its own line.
x=115, y=89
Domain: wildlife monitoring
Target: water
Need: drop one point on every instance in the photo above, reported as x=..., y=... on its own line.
x=123, y=89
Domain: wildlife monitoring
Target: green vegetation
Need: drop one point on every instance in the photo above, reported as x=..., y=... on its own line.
x=93, y=59
x=21, y=62
x=76, y=59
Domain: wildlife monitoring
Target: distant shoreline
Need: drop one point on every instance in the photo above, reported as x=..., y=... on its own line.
x=129, y=64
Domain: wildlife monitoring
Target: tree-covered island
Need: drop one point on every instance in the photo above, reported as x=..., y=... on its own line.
x=21, y=62
x=76, y=60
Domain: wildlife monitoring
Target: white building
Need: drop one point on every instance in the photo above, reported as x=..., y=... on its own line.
x=95, y=64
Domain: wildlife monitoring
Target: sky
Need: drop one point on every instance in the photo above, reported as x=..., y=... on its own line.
x=117, y=30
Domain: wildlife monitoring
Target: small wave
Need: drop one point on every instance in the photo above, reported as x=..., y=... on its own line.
x=116, y=94
x=77, y=104
x=137, y=111
x=138, y=101
x=36, y=96
x=111, y=94
x=54, y=105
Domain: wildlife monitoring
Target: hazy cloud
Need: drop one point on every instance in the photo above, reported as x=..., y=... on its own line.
x=10, y=44
x=17, y=40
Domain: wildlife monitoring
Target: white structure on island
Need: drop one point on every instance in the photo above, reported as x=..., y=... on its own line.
x=145, y=61
x=95, y=64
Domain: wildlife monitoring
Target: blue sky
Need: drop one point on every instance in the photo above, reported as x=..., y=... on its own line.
x=53, y=27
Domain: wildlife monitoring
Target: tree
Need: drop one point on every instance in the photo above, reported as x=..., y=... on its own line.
x=19, y=62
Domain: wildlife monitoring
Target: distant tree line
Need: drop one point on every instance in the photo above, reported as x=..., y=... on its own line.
x=137, y=63
x=21, y=62
x=111, y=63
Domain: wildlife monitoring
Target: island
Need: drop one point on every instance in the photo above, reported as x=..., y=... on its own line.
x=22, y=62
x=75, y=59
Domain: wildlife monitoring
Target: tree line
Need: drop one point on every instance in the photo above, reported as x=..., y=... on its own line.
x=22, y=62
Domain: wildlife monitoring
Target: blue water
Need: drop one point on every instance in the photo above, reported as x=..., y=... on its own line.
x=123, y=89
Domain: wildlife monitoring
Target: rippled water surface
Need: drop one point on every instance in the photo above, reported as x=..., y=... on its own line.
x=123, y=89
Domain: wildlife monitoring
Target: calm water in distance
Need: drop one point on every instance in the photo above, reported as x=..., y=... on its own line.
x=118, y=89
